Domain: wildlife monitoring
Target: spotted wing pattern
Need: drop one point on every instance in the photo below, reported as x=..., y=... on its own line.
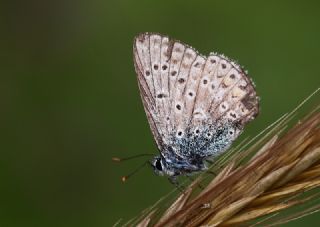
x=182, y=90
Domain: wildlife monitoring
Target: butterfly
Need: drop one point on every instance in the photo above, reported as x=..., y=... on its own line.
x=196, y=106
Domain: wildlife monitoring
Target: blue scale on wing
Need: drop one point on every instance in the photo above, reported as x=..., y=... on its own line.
x=206, y=142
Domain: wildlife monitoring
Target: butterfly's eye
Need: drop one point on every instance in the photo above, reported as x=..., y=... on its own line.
x=158, y=165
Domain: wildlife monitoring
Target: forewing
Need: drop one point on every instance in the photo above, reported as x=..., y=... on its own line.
x=151, y=60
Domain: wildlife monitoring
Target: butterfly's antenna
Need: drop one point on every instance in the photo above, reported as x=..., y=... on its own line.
x=117, y=159
x=124, y=178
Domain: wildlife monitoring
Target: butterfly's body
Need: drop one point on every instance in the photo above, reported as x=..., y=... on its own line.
x=196, y=106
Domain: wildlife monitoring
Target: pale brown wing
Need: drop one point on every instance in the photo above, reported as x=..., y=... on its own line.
x=182, y=90
x=225, y=94
x=147, y=51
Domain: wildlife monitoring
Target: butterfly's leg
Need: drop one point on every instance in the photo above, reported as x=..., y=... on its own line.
x=210, y=162
x=173, y=180
x=192, y=179
x=210, y=171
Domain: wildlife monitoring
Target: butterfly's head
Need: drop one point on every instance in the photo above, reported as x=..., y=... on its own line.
x=160, y=166
x=157, y=165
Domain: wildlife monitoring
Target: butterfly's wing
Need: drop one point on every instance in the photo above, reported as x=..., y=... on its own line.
x=152, y=55
x=183, y=91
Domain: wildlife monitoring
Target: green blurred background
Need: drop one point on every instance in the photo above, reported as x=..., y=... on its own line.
x=70, y=101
